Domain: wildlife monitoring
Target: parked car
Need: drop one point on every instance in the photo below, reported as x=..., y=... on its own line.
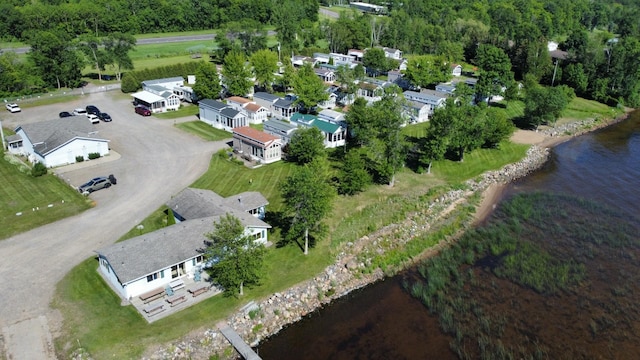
x=101, y=182
x=93, y=118
x=65, y=114
x=91, y=109
x=143, y=111
x=105, y=117
x=79, y=111
x=12, y=107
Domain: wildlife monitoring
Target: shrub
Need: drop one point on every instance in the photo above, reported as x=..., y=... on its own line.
x=79, y=158
x=94, y=155
x=38, y=169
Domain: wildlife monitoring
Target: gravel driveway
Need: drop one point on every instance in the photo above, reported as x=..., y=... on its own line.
x=156, y=161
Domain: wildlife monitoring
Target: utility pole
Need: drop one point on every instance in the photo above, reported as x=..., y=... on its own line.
x=4, y=146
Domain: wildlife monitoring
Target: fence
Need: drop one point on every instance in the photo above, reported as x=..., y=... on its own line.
x=88, y=89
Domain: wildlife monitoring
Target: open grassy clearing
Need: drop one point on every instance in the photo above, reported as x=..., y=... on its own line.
x=204, y=130
x=22, y=193
x=186, y=110
x=580, y=109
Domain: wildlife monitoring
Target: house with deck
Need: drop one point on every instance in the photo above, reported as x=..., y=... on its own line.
x=59, y=141
x=255, y=113
x=266, y=100
x=257, y=145
x=166, y=257
x=416, y=112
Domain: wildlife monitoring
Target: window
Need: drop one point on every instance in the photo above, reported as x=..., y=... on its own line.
x=152, y=277
x=162, y=274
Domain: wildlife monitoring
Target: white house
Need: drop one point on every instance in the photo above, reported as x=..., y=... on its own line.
x=332, y=116
x=330, y=103
x=257, y=145
x=255, y=113
x=434, y=99
x=456, y=69
x=221, y=115
x=392, y=53
x=326, y=75
x=284, y=108
x=446, y=88
x=157, y=101
x=152, y=261
x=58, y=142
x=416, y=112
x=265, y=100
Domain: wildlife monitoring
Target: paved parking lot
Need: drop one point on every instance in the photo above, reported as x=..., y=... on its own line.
x=154, y=161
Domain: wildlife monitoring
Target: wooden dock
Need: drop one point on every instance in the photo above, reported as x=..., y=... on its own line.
x=245, y=350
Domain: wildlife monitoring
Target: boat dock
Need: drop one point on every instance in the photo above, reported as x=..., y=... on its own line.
x=242, y=347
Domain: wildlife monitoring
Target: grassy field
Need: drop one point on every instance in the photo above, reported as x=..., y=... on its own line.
x=580, y=109
x=186, y=110
x=204, y=130
x=22, y=193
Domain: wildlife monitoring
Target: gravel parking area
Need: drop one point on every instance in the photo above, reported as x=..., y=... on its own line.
x=153, y=160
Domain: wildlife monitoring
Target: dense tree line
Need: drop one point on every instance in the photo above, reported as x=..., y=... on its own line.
x=103, y=17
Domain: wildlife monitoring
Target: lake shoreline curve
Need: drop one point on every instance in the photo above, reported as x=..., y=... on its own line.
x=266, y=317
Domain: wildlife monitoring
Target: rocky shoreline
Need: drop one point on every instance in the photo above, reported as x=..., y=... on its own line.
x=265, y=318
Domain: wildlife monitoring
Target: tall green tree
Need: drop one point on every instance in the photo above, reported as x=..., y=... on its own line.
x=354, y=176
x=117, y=47
x=544, y=105
x=387, y=149
x=265, y=66
x=235, y=257
x=309, y=87
x=235, y=74
x=360, y=124
x=207, y=84
x=376, y=62
x=495, y=70
x=307, y=196
x=423, y=71
x=306, y=145
x=56, y=61
x=95, y=53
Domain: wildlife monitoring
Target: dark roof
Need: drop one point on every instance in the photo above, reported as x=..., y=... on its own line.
x=48, y=135
x=282, y=103
x=558, y=54
x=192, y=203
x=279, y=125
x=265, y=96
x=213, y=103
x=229, y=112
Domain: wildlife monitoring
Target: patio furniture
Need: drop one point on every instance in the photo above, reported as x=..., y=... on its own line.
x=151, y=295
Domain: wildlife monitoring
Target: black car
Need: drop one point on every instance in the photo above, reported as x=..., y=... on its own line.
x=65, y=114
x=93, y=110
x=105, y=117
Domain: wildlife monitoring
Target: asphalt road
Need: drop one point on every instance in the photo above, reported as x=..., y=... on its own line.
x=156, y=161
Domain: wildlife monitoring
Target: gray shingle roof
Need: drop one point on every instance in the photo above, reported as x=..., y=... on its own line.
x=193, y=203
x=213, y=103
x=229, y=112
x=279, y=125
x=246, y=201
x=282, y=103
x=161, y=81
x=51, y=134
x=265, y=96
x=148, y=253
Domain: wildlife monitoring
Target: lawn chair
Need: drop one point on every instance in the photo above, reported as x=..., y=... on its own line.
x=169, y=291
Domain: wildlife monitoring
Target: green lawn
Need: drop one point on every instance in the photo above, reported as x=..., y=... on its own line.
x=22, y=193
x=184, y=111
x=580, y=109
x=204, y=130
x=479, y=161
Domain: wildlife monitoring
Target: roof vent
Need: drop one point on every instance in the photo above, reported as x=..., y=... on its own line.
x=240, y=199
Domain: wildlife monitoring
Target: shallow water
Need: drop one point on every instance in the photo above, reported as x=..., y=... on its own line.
x=383, y=321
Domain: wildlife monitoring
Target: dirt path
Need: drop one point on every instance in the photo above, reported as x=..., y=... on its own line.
x=156, y=161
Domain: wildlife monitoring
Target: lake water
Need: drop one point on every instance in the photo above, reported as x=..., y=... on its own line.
x=383, y=321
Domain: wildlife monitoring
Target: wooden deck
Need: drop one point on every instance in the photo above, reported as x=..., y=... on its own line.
x=245, y=350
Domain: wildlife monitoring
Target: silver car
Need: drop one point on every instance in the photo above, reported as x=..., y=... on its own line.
x=101, y=182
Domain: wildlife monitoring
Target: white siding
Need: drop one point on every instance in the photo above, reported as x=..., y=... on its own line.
x=78, y=147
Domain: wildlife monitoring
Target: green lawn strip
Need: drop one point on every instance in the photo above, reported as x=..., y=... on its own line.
x=581, y=109
x=257, y=126
x=204, y=130
x=22, y=193
x=184, y=111
x=479, y=161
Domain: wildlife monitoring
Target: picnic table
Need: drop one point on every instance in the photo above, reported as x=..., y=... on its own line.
x=176, y=299
x=151, y=295
x=177, y=284
x=199, y=290
x=153, y=309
